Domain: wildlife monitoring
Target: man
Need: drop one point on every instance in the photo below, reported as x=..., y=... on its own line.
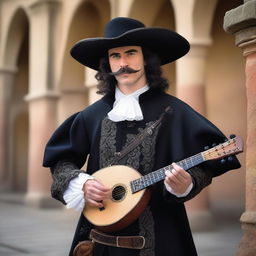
x=128, y=62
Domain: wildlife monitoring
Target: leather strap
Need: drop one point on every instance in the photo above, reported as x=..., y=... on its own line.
x=130, y=242
x=140, y=137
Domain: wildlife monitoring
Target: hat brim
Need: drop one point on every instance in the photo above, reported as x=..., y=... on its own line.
x=168, y=45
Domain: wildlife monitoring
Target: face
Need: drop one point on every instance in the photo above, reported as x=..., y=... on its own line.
x=132, y=57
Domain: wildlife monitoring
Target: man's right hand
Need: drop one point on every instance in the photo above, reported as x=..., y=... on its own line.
x=95, y=193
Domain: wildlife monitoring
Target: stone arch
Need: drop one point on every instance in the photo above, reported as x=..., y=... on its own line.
x=87, y=20
x=150, y=11
x=16, y=56
x=158, y=13
x=226, y=101
x=16, y=31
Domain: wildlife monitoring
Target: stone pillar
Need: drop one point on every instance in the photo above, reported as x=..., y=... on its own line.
x=191, y=77
x=191, y=89
x=42, y=123
x=7, y=76
x=42, y=99
x=241, y=22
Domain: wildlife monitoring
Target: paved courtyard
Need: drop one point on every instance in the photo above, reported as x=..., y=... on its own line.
x=48, y=232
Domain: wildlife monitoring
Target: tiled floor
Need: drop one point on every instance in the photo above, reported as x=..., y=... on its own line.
x=48, y=232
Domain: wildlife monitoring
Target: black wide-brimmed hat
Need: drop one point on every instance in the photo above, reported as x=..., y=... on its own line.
x=121, y=31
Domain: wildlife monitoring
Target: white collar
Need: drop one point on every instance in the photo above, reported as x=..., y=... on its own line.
x=127, y=107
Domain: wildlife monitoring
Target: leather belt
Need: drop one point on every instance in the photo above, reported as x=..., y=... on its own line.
x=131, y=242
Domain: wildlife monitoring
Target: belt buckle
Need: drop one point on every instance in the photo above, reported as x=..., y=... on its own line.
x=117, y=242
x=143, y=244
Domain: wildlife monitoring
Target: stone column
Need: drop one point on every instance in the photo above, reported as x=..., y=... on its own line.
x=241, y=22
x=7, y=76
x=191, y=77
x=42, y=99
x=42, y=122
x=191, y=89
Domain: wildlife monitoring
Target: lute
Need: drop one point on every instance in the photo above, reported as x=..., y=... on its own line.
x=129, y=189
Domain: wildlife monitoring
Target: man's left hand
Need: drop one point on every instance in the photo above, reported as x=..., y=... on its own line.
x=178, y=179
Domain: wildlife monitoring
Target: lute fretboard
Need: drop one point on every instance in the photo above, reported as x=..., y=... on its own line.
x=158, y=175
x=230, y=147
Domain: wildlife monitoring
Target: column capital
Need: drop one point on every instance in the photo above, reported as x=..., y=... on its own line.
x=8, y=70
x=240, y=18
x=241, y=22
x=198, y=50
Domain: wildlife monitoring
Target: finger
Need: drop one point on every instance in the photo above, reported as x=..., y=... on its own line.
x=171, y=178
x=96, y=194
x=94, y=203
x=101, y=187
x=95, y=187
x=97, y=191
x=97, y=184
x=95, y=197
x=179, y=170
x=180, y=176
x=175, y=175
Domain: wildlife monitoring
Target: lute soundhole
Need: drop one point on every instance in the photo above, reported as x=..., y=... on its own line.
x=118, y=192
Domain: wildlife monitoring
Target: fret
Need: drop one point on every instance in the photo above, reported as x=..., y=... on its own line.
x=191, y=161
x=158, y=175
x=228, y=148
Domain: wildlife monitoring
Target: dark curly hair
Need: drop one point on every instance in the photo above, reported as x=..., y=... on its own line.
x=153, y=73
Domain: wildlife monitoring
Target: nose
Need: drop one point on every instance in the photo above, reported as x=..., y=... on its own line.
x=123, y=62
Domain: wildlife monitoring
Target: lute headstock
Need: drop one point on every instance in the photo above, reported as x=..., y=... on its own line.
x=231, y=147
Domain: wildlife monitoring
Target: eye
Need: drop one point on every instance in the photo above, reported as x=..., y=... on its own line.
x=114, y=56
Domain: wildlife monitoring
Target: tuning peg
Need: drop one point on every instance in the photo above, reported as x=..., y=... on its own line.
x=230, y=158
x=206, y=147
x=223, y=161
x=232, y=136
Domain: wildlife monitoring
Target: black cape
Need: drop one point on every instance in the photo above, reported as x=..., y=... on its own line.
x=183, y=133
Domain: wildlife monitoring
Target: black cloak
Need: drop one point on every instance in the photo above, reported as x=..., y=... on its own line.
x=183, y=133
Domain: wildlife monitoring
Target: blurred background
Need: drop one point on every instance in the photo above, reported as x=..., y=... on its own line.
x=41, y=85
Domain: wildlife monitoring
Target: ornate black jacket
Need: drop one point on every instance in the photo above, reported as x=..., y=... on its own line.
x=183, y=133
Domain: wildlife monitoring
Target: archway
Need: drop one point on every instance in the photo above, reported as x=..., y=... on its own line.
x=159, y=14
x=17, y=117
x=88, y=21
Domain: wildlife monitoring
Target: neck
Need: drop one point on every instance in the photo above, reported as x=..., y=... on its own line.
x=126, y=89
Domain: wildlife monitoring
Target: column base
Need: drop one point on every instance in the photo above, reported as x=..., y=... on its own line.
x=41, y=201
x=247, y=246
x=200, y=221
x=9, y=196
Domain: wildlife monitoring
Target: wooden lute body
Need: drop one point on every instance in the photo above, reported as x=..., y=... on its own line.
x=130, y=191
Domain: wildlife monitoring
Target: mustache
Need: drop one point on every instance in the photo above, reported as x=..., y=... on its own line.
x=124, y=70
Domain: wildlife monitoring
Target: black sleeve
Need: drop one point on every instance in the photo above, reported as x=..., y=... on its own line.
x=70, y=142
x=197, y=132
x=66, y=153
x=62, y=172
x=201, y=178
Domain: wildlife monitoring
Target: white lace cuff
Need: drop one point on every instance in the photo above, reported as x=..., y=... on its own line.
x=177, y=194
x=74, y=195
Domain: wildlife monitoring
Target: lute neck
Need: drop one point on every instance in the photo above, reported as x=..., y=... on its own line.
x=158, y=175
